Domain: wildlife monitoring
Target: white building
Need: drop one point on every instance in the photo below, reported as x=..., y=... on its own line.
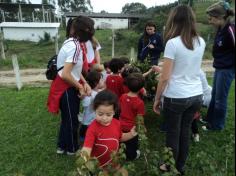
x=108, y=20
x=28, y=31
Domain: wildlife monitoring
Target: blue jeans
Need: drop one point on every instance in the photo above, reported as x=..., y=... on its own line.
x=216, y=114
x=179, y=114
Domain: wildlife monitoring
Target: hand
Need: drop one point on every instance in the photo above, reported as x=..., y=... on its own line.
x=151, y=46
x=133, y=131
x=82, y=93
x=156, y=69
x=87, y=89
x=156, y=107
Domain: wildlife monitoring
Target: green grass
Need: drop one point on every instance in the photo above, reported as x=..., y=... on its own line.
x=28, y=139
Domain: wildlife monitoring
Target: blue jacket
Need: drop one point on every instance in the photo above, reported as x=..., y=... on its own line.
x=144, y=51
x=224, y=47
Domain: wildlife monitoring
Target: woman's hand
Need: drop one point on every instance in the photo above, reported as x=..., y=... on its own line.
x=151, y=46
x=156, y=68
x=87, y=89
x=156, y=107
x=82, y=92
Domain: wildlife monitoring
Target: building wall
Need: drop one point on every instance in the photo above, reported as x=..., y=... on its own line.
x=109, y=23
x=27, y=34
x=104, y=23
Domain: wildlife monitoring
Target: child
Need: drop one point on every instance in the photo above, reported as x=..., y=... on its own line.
x=94, y=80
x=206, y=101
x=107, y=71
x=104, y=133
x=114, y=82
x=127, y=70
x=131, y=106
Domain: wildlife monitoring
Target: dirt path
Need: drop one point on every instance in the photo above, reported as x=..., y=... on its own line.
x=36, y=77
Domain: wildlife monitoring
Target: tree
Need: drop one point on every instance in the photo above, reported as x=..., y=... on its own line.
x=75, y=5
x=134, y=8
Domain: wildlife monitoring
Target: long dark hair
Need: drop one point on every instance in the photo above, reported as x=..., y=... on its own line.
x=145, y=34
x=182, y=22
x=83, y=28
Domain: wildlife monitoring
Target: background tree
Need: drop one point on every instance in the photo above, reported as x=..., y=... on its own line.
x=75, y=5
x=134, y=8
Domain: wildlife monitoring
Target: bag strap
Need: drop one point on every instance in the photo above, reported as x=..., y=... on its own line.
x=60, y=68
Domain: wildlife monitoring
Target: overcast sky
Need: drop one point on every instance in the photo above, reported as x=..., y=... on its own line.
x=115, y=6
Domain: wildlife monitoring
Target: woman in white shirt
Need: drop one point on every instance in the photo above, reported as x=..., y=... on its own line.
x=69, y=83
x=180, y=83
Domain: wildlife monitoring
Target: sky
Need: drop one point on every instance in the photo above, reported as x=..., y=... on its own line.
x=115, y=6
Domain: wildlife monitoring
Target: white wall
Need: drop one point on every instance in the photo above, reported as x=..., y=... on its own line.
x=104, y=23
x=115, y=23
x=28, y=32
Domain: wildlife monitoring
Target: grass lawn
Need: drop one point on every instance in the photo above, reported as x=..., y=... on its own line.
x=28, y=139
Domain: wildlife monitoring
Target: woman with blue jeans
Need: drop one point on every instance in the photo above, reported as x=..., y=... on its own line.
x=224, y=63
x=180, y=82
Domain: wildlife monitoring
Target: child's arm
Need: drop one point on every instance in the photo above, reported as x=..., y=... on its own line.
x=148, y=72
x=129, y=135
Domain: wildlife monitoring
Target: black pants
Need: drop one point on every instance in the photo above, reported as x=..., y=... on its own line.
x=68, y=134
x=131, y=148
x=179, y=114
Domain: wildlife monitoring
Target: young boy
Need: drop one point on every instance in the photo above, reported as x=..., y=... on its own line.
x=131, y=106
x=114, y=82
x=88, y=115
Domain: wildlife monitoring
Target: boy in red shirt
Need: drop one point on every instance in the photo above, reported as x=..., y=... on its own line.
x=114, y=81
x=131, y=106
x=104, y=134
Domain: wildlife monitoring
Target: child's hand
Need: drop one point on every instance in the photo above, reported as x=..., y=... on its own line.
x=133, y=131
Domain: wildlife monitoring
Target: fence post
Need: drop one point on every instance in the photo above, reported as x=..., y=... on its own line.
x=132, y=55
x=3, y=56
x=17, y=72
x=113, y=43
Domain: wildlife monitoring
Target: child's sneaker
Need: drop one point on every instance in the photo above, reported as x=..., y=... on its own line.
x=60, y=151
x=196, y=137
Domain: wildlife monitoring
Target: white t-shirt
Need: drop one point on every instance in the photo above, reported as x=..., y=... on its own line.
x=185, y=77
x=88, y=114
x=71, y=52
x=90, y=51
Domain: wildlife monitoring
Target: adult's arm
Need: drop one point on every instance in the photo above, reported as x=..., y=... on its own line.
x=67, y=76
x=163, y=81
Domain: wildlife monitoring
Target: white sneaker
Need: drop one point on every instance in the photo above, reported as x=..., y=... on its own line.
x=138, y=154
x=196, y=137
x=60, y=151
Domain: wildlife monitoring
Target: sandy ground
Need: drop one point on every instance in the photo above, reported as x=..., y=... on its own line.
x=36, y=77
